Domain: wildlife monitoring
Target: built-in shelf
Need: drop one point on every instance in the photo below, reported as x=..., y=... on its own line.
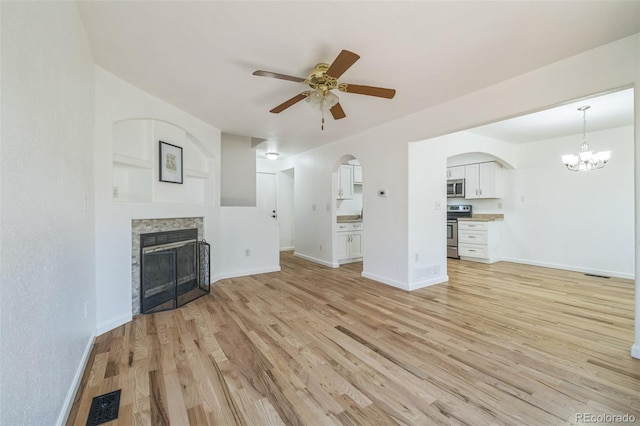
x=124, y=160
x=197, y=174
x=135, y=170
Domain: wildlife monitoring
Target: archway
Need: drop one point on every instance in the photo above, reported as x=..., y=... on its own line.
x=347, y=211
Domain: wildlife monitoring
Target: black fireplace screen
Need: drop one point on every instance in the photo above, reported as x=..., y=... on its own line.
x=174, y=269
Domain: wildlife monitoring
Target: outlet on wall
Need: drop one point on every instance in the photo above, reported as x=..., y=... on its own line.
x=116, y=192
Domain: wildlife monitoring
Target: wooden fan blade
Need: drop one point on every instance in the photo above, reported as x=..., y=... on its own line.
x=337, y=112
x=288, y=103
x=380, y=92
x=279, y=76
x=342, y=63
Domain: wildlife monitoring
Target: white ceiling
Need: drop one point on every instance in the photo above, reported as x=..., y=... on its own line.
x=606, y=111
x=199, y=56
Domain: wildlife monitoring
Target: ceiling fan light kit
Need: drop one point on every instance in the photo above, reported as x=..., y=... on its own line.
x=322, y=80
x=272, y=155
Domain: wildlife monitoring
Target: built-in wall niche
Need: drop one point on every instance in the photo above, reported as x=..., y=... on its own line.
x=136, y=164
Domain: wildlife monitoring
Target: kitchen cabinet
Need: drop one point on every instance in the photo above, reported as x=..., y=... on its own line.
x=349, y=240
x=357, y=174
x=345, y=182
x=483, y=180
x=479, y=241
x=456, y=172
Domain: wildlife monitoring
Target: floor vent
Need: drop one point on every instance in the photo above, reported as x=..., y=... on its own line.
x=597, y=276
x=104, y=408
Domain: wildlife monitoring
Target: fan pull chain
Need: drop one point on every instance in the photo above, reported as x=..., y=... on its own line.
x=322, y=125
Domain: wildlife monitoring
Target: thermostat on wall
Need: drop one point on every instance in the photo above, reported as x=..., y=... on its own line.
x=382, y=192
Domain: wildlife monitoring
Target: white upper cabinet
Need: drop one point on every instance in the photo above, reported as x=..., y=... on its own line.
x=483, y=180
x=345, y=182
x=357, y=174
x=456, y=172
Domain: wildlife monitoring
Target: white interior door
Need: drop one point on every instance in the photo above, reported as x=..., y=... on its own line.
x=266, y=194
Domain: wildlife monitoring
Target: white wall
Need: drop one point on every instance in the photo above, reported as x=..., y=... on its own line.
x=395, y=227
x=569, y=220
x=46, y=225
x=249, y=241
x=238, y=171
x=117, y=100
x=384, y=163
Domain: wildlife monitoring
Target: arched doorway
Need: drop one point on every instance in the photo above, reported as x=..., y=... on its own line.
x=348, y=209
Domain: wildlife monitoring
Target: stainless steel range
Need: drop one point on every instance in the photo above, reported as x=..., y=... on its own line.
x=453, y=213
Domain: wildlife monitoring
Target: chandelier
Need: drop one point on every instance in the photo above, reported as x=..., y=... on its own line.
x=586, y=159
x=322, y=99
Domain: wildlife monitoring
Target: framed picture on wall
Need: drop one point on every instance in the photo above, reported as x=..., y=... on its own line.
x=170, y=163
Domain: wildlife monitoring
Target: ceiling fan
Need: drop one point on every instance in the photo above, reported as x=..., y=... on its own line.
x=322, y=80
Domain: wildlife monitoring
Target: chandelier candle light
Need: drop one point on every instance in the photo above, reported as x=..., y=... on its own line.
x=586, y=159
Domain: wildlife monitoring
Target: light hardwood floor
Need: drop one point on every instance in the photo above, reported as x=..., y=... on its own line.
x=501, y=344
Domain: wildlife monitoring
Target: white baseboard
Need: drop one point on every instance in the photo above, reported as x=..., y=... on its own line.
x=316, y=260
x=352, y=260
x=426, y=283
x=405, y=286
x=244, y=273
x=113, y=323
x=571, y=268
x=75, y=384
x=635, y=351
x=387, y=281
x=287, y=248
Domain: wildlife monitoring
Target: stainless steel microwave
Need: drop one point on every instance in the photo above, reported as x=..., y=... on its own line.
x=455, y=188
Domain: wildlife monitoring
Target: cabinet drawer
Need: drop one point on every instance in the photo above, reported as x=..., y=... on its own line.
x=474, y=237
x=475, y=226
x=471, y=250
x=345, y=227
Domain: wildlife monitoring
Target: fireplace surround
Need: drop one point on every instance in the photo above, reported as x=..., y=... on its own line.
x=149, y=226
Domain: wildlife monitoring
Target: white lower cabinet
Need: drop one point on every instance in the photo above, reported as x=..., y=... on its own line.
x=479, y=241
x=349, y=242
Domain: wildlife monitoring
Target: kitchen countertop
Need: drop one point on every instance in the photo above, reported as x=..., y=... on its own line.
x=349, y=218
x=488, y=217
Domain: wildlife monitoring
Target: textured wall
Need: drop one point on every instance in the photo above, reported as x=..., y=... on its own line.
x=47, y=225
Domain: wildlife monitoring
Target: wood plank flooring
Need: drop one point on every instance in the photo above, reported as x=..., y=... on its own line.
x=501, y=344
